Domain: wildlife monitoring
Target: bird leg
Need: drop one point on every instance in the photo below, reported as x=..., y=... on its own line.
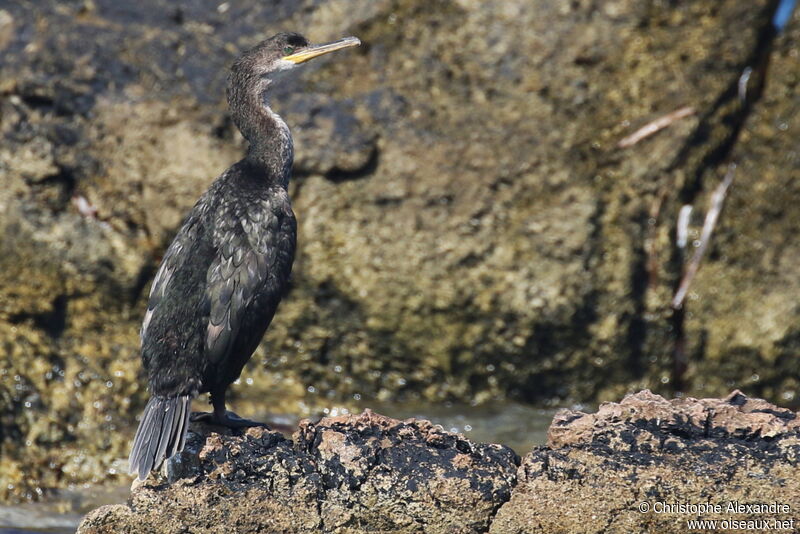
x=225, y=418
x=222, y=417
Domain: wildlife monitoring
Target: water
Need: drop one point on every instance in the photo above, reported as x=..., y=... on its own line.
x=59, y=513
x=518, y=426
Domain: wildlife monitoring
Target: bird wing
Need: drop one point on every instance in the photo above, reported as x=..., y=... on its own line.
x=250, y=249
x=172, y=261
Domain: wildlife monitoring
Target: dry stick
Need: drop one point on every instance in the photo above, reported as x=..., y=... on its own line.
x=714, y=209
x=652, y=127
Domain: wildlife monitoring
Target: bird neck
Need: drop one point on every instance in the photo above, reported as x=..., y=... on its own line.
x=271, y=145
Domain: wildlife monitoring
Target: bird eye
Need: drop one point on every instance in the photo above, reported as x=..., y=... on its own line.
x=288, y=50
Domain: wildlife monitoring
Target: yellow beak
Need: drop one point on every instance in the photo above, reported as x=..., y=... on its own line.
x=317, y=50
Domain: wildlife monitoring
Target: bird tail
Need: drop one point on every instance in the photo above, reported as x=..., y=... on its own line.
x=161, y=433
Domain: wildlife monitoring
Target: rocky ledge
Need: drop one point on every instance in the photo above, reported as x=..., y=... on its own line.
x=626, y=468
x=342, y=474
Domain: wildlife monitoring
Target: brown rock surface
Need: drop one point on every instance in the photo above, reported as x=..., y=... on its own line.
x=390, y=476
x=598, y=469
x=346, y=474
x=370, y=473
x=220, y=484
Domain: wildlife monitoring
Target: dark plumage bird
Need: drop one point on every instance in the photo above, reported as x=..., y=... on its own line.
x=223, y=276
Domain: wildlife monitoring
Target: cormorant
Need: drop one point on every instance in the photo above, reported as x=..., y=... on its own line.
x=225, y=272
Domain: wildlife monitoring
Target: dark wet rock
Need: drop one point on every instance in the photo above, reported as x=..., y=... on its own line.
x=597, y=469
x=365, y=473
x=469, y=229
x=330, y=140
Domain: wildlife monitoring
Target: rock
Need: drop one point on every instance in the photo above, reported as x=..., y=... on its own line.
x=630, y=467
x=331, y=142
x=343, y=474
x=6, y=28
x=385, y=475
x=613, y=471
x=750, y=336
x=469, y=229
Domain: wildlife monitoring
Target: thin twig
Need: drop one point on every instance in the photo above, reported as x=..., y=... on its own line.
x=682, y=233
x=652, y=127
x=717, y=200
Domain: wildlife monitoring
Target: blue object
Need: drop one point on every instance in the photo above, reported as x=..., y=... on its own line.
x=783, y=14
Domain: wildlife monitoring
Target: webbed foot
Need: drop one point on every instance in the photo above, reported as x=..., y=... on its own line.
x=226, y=418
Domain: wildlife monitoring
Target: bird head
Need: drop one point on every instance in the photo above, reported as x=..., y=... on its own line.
x=262, y=64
